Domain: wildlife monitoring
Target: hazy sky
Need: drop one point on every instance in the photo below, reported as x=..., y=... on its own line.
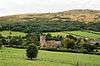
x=9, y=7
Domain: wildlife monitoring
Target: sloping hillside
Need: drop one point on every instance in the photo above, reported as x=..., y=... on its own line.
x=71, y=15
x=53, y=22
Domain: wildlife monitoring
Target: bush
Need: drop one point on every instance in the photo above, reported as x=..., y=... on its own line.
x=32, y=51
x=89, y=47
x=0, y=46
x=1, y=43
x=70, y=50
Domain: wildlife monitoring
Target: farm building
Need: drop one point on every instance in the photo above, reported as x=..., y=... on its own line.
x=49, y=43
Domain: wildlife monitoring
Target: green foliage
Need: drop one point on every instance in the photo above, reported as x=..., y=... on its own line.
x=69, y=42
x=44, y=25
x=81, y=34
x=64, y=42
x=33, y=38
x=18, y=40
x=32, y=51
x=0, y=44
x=58, y=38
x=48, y=36
x=12, y=33
x=88, y=47
x=71, y=37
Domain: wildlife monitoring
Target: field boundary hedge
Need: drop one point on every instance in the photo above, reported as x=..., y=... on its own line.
x=69, y=50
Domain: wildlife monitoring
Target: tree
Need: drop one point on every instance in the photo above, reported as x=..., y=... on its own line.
x=32, y=38
x=68, y=43
x=0, y=46
x=16, y=41
x=71, y=37
x=32, y=51
x=64, y=42
x=1, y=43
x=58, y=38
x=1, y=40
x=71, y=44
x=48, y=36
x=4, y=41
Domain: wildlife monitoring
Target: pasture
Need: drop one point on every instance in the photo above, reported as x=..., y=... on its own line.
x=12, y=33
x=17, y=57
x=94, y=35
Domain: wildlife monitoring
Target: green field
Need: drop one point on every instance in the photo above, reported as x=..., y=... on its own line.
x=77, y=33
x=17, y=57
x=12, y=33
x=64, y=33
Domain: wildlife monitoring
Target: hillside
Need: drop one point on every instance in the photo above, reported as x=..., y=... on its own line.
x=72, y=15
x=53, y=22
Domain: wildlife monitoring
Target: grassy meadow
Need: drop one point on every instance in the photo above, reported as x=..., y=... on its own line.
x=94, y=35
x=17, y=57
x=12, y=33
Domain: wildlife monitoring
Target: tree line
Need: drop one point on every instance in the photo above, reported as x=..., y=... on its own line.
x=18, y=41
x=49, y=26
x=71, y=43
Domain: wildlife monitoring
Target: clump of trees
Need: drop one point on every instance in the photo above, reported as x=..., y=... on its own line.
x=78, y=44
x=18, y=41
x=32, y=51
x=73, y=43
x=30, y=42
x=69, y=42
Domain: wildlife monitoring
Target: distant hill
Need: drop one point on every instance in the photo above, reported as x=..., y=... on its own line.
x=71, y=15
x=52, y=22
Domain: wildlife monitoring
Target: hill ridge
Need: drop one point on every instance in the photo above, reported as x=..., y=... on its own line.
x=84, y=15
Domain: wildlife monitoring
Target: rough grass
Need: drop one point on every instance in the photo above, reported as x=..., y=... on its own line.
x=17, y=57
x=77, y=33
x=72, y=14
x=12, y=33
x=86, y=34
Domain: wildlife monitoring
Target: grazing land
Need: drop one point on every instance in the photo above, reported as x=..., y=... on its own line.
x=17, y=57
x=12, y=33
x=93, y=35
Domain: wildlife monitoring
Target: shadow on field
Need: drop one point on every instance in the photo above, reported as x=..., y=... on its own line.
x=34, y=59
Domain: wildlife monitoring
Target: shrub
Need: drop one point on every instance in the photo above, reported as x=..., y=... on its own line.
x=0, y=46
x=70, y=50
x=68, y=43
x=1, y=43
x=32, y=51
x=89, y=47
